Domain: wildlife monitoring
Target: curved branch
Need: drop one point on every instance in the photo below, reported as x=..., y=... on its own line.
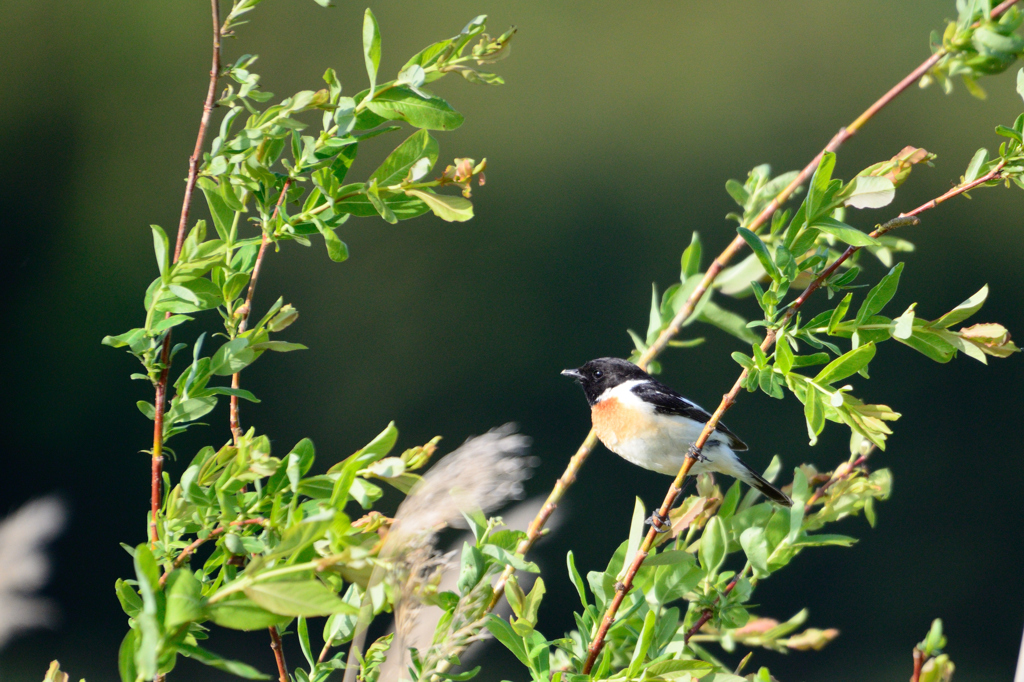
x=160, y=401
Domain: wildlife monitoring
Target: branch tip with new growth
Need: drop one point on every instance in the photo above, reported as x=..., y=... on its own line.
x=160, y=401
x=236, y=428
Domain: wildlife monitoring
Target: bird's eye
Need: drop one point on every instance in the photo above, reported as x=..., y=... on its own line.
x=598, y=374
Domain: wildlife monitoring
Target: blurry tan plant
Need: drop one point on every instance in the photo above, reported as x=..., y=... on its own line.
x=24, y=567
x=483, y=474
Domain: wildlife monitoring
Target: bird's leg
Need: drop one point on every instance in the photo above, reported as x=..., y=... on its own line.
x=661, y=523
x=694, y=453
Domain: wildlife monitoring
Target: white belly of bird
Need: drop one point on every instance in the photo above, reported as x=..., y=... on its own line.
x=663, y=449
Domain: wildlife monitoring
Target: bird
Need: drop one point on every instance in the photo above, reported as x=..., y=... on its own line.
x=647, y=423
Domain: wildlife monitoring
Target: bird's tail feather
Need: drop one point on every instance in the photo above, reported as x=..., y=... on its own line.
x=757, y=482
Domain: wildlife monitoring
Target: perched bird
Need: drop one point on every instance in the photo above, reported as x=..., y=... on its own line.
x=647, y=423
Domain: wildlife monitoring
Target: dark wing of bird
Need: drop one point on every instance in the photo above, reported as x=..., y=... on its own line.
x=667, y=401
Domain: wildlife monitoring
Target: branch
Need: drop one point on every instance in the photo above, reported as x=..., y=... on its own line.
x=275, y=644
x=236, y=429
x=185, y=553
x=160, y=401
x=841, y=472
x=729, y=399
x=576, y=462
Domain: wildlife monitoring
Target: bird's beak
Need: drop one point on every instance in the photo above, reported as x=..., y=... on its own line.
x=573, y=373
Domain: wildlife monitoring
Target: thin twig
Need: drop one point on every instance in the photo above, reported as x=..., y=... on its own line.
x=705, y=616
x=160, y=401
x=236, y=429
x=841, y=472
x=577, y=461
x=275, y=644
x=729, y=399
x=185, y=553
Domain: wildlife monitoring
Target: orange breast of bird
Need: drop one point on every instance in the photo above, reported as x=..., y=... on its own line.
x=615, y=423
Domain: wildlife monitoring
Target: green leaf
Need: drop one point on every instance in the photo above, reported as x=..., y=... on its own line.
x=819, y=183
x=222, y=214
x=690, y=262
x=533, y=600
x=472, y=568
x=402, y=104
x=297, y=598
x=504, y=633
x=507, y=558
x=672, y=581
x=340, y=627
x=453, y=209
x=676, y=669
x=880, y=295
x=278, y=346
x=396, y=166
x=783, y=356
x=636, y=530
x=383, y=210
x=930, y=344
x=727, y=321
x=977, y=163
x=839, y=313
x=810, y=360
x=241, y=613
x=213, y=660
x=654, y=319
x=844, y=233
x=184, y=599
x=577, y=579
x=825, y=540
x=963, y=311
x=303, y=631
x=404, y=207
x=233, y=356
x=129, y=598
x=761, y=251
x=380, y=446
x=161, y=248
x=846, y=365
x=868, y=191
x=903, y=325
x=337, y=250
x=713, y=545
x=1020, y=83
x=301, y=535
x=755, y=546
x=371, y=47
x=126, y=657
x=643, y=643
x=814, y=412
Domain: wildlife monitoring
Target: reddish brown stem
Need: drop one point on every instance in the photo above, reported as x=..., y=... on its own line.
x=729, y=399
x=705, y=616
x=918, y=664
x=236, y=428
x=275, y=644
x=841, y=473
x=187, y=552
x=208, y=106
x=579, y=459
x=160, y=401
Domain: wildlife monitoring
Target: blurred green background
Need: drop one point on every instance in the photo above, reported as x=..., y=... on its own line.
x=610, y=143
